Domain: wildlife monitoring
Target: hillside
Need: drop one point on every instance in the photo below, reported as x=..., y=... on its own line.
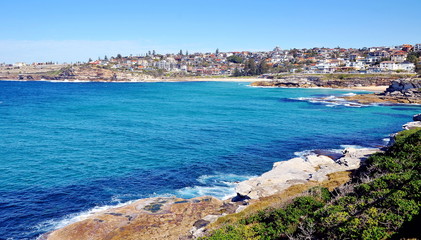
x=381, y=201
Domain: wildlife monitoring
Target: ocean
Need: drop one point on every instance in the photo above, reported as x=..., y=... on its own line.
x=67, y=149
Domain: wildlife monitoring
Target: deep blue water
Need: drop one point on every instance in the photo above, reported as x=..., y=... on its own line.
x=66, y=148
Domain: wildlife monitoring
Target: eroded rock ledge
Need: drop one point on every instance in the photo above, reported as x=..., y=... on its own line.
x=301, y=170
x=152, y=218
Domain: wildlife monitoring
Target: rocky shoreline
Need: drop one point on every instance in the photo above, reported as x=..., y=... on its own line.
x=327, y=81
x=403, y=91
x=175, y=218
x=400, y=91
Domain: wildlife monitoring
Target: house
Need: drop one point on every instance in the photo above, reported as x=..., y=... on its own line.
x=19, y=64
x=417, y=47
x=407, y=47
x=393, y=66
x=359, y=65
x=399, y=56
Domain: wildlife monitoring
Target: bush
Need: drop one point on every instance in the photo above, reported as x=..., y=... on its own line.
x=376, y=209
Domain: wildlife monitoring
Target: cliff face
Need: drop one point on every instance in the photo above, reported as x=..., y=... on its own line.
x=76, y=73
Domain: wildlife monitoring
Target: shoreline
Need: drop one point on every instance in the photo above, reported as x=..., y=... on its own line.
x=375, y=89
x=310, y=168
x=145, y=81
x=177, y=218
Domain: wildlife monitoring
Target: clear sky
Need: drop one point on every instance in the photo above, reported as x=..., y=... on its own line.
x=75, y=30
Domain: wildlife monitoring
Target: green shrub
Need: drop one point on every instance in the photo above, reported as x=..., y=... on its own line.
x=376, y=209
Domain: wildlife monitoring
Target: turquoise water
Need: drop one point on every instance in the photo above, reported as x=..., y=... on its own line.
x=66, y=148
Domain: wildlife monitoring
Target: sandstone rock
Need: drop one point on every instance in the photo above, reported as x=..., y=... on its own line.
x=300, y=170
x=412, y=125
x=154, y=218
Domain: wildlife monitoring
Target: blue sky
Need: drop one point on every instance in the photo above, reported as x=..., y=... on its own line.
x=75, y=30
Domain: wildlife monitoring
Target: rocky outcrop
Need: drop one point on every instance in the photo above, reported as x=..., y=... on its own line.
x=406, y=91
x=306, y=81
x=415, y=124
x=301, y=170
x=290, y=82
x=403, y=85
x=412, y=125
x=78, y=73
x=153, y=218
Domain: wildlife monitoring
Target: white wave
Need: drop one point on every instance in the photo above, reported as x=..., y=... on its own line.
x=218, y=185
x=349, y=94
x=221, y=192
x=330, y=101
x=386, y=140
x=304, y=154
x=356, y=147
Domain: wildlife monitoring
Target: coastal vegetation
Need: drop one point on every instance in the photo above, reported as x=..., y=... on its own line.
x=382, y=200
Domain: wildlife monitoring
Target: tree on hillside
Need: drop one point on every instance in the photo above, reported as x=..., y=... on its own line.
x=217, y=51
x=90, y=60
x=262, y=67
x=413, y=57
x=187, y=53
x=106, y=58
x=235, y=59
x=250, y=68
x=119, y=56
x=237, y=73
x=153, y=52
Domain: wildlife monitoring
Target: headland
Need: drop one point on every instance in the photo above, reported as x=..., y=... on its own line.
x=175, y=218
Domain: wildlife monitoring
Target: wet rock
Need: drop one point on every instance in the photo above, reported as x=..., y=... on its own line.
x=417, y=117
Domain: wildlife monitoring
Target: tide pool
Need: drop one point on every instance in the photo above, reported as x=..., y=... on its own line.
x=66, y=148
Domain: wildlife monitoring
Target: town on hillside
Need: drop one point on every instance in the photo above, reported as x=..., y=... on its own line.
x=404, y=58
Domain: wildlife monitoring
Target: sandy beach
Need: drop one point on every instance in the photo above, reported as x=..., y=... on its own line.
x=206, y=79
x=371, y=88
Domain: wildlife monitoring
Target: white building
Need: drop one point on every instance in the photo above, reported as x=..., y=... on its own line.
x=393, y=66
x=417, y=47
x=359, y=65
x=399, y=57
x=19, y=64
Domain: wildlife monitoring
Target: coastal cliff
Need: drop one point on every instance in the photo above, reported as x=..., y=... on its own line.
x=174, y=218
x=76, y=73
